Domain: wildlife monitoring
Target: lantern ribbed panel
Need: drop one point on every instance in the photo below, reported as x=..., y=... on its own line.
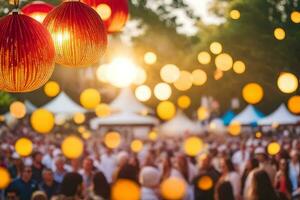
x=78, y=32
x=119, y=13
x=26, y=54
x=37, y=6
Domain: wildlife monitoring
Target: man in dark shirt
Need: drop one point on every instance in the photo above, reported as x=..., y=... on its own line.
x=49, y=185
x=24, y=185
x=37, y=167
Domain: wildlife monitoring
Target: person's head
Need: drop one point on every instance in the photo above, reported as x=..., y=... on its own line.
x=39, y=195
x=47, y=176
x=11, y=194
x=182, y=165
x=260, y=154
x=128, y=172
x=294, y=155
x=71, y=185
x=252, y=164
x=227, y=165
x=149, y=177
x=26, y=173
x=205, y=161
x=75, y=164
x=37, y=157
x=283, y=165
x=100, y=186
x=261, y=186
x=224, y=191
x=122, y=158
x=59, y=163
x=88, y=164
x=16, y=159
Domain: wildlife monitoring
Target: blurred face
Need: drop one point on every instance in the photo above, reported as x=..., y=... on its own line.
x=223, y=166
x=48, y=176
x=59, y=165
x=282, y=164
x=88, y=164
x=26, y=174
x=38, y=158
x=260, y=157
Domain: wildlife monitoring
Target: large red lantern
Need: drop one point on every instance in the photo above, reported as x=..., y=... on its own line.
x=114, y=13
x=79, y=35
x=26, y=54
x=38, y=10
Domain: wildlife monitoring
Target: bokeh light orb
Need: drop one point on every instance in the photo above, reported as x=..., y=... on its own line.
x=72, y=147
x=199, y=77
x=86, y=135
x=112, y=140
x=253, y=93
x=125, y=189
x=17, y=109
x=287, y=82
x=239, y=67
x=205, y=183
x=78, y=32
x=42, y=121
x=294, y=104
x=235, y=14
x=5, y=178
x=192, y=146
x=258, y=134
x=173, y=188
x=224, y=62
x=103, y=110
x=102, y=73
x=184, y=102
x=23, y=147
x=216, y=48
x=153, y=135
x=203, y=113
x=204, y=58
x=26, y=64
x=51, y=89
x=218, y=74
x=141, y=76
x=162, y=91
x=136, y=146
x=169, y=73
x=295, y=17
x=79, y=118
x=90, y=98
x=37, y=10
x=184, y=82
x=234, y=128
x=166, y=110
x=273, y=148
x=279, y=33
x=150, y=58
x=143, y=93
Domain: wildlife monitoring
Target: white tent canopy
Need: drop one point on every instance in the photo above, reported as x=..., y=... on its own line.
x=29, y=107
x=248, y=116
x=62, y=104
x=126, y=102
x=180, y=125
x=281, y=116
x=123, y=118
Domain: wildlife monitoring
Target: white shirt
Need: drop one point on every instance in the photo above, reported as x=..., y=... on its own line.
x=235, y=181
x=148, y=194
x=107, y=165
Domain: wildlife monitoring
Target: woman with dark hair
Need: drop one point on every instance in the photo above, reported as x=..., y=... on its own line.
x=250, y=165
x=100, y=189
x=71, y=187
x=224, y=191
x=128, y=172
x=283, y=183
x=261, y=187
x=229, y=174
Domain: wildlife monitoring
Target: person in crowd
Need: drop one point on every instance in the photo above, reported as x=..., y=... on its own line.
x=264, y=163
x=149, y=179
x=108, y=164
x=294, y=169
x=128, y=172
x=166, y=166
x=224, y=191
x=39, y=195
x=121, y=160
x=24, y=185
x=261, y=187
x=87, y=173
x=229, y=174
x=240, y=158
x=49, y=185
x=282, y=181
x=71, y=187
x=100, y=189
x=37, y=166
x=60, y=171
x=250, y=166
x=16, y=167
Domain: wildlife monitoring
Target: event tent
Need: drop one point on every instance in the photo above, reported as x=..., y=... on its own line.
x=124, y=119
x=227, y=117
x=249, y=116
x=127, y=102
x=180, y=125
x=62, y=104
x=281, y=116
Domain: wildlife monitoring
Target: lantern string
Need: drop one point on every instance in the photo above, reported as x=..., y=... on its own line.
x=16, y=4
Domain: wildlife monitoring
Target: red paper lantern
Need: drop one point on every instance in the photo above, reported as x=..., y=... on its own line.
x=26, y=54
x=79, y=35
x=114, y=13
x=38, y=10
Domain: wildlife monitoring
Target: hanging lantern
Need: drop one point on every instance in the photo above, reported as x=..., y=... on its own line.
x=38, y=10
x=114, y=13
x=78, y=32
x=26, y=54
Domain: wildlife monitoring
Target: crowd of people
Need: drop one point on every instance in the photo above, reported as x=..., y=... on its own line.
x=238, y=168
